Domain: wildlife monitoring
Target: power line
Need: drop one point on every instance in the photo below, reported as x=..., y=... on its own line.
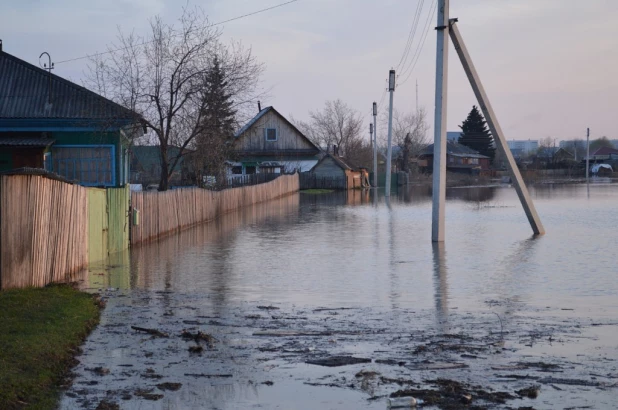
x=211, y=25
x=408, y=46
x=417, y=55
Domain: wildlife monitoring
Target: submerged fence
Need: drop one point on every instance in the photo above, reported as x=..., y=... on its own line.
x=43, y=230
x=161, y=213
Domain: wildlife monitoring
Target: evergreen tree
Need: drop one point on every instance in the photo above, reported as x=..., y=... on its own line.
x=213, y=145
x=476, y=135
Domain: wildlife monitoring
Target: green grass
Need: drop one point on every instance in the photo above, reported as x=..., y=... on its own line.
x=317, y=191
x=40, y=332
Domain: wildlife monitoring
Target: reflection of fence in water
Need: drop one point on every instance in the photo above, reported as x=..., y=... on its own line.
x=151, y=263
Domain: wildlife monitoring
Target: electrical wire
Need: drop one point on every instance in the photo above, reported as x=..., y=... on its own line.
x=421, y=45
x=211, y=25
x=408, y=46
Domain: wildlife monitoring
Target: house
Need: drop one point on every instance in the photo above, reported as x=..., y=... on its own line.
x=554, y=157
x=332, y=166
x=269, y=143
x=459, y=158
x=49, y=122
x=604, y=154
x=145, y=165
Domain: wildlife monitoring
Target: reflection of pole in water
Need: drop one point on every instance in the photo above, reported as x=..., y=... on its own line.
x=440, y=282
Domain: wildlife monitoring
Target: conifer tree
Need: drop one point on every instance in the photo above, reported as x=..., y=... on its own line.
x=476, y=135
x=213, y=145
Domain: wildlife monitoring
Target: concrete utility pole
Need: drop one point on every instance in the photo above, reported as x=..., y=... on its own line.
x=417, y=96
x=587, y=153
x=371, y=140
x=375, y=146
x=389, y=154
x=439, y=136
x=496, y=130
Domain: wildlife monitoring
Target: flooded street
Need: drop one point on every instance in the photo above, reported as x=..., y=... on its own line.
x=252, y=310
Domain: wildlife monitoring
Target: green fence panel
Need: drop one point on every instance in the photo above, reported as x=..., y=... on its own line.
x=118, y=209
x=97, y=225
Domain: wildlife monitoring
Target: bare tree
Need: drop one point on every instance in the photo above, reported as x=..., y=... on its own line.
x=161, y=77
x=409, y=134
x=337, y=124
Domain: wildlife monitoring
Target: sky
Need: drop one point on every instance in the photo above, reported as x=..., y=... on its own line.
x=548, y=66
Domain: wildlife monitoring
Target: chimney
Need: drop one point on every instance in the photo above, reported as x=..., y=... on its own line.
x=0, y=44
x=259, y=106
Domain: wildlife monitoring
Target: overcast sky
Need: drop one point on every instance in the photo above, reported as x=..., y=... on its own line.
x=549, y=66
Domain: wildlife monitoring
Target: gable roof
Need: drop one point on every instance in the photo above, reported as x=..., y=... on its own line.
x=342, y=163
x=24, y=91
x=605, y=151
x=262, y=113
x=455, y=149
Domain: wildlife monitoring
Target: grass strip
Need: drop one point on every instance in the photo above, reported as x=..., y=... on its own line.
x=40, y=334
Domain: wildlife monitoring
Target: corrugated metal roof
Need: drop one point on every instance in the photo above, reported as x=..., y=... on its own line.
x=24, y=91
x=26, y=142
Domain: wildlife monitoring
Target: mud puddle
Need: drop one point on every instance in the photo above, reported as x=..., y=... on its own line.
x=170, y=350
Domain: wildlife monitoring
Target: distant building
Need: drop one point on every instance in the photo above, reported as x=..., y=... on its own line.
x=269, y=143
x=335, y=167
x=459, y=158
x=524, y=147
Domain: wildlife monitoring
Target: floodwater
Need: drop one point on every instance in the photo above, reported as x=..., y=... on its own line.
x=311, y=276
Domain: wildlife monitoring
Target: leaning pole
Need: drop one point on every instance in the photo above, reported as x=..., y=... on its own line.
x=496, y=130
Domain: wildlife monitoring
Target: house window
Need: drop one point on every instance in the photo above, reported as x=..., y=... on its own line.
x=91, y=165
x=271, y=134
x=237, y=170
x=474, y=161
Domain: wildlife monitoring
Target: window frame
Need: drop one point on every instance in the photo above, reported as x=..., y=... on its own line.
x=112, y=150
x=266, y=129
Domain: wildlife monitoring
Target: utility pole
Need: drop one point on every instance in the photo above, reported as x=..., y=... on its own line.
x=375, y=145
x=371, y=140
x=439, y=137
x=417, y=95
x=389, y=153
x=496, y=130
x=587, y=153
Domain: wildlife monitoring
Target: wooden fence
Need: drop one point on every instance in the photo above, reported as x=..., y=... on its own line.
x=43, y=231
x=308, y=180
x=161, y=213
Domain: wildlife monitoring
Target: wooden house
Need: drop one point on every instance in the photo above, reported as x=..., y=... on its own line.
x=51, y=123
x=269, y=143
x=459, y=158
x=336, y=168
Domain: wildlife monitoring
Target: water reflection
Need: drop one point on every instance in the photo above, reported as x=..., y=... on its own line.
x=156, y=265
x=440, y=278
x=353, y=248
x=472, y=194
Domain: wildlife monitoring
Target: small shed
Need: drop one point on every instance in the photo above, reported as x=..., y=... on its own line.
x=334, y=167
